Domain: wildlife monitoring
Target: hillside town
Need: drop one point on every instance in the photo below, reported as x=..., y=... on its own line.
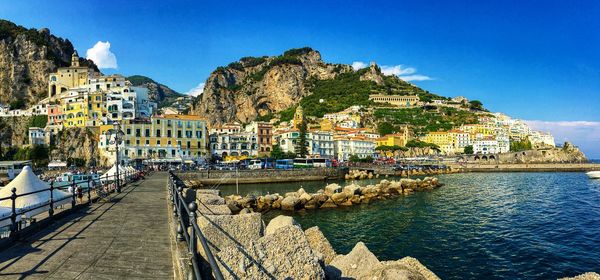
x=81, y=97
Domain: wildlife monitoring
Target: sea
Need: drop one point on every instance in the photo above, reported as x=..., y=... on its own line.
x=477, y=226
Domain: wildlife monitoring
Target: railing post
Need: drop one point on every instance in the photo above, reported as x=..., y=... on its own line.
x=73, y=195
x=51, y=210
x=193, y=247
x=89, y=191
x=13, y=216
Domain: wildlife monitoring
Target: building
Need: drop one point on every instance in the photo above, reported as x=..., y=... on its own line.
x=396, y=100
x=226, y=128
x=541, y=140
x=264, y=134
x=37, y=136
x=298, y=118
x=485, y=146
x=66, y=78
x=171, y=138
x=234, y=145
x=287, y=140
x=442, y=140
x=459, y=140
x=55, y=114
x=345, y=147
x=320, y=144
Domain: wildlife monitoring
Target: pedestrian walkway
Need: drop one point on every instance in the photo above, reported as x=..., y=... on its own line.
x=126, y=238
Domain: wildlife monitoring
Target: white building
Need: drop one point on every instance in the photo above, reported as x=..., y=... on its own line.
x=345, y=147
x=320, y=144
x=485, y=146
x=234, y=144
x=37, y=136
x=540, y=139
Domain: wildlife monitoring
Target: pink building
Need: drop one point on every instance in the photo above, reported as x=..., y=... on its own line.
x=55, y=115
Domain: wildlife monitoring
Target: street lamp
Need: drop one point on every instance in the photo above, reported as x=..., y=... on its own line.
x=118, y=134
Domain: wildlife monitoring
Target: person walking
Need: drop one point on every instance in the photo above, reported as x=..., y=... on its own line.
x=79, y=190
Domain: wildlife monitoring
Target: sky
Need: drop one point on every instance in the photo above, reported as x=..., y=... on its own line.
x=533, y=60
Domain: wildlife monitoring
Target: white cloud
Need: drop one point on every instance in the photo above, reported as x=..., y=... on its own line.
x=585, y=134
x=196, y=91
x=405, y=73
x=101, y=55
x=357, y=65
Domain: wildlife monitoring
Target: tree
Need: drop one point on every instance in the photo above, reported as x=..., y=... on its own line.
x=302, y=149
x=523, y=145
x=385, y=128
x=469, y=150
x=18, y=103
x=277, y=153
x=476, y=104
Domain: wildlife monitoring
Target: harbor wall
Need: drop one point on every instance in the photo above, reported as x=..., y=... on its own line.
x=224, y=177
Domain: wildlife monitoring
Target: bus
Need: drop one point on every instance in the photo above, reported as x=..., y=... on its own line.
x=284, y=164
x=321, y=162
x=303, y=163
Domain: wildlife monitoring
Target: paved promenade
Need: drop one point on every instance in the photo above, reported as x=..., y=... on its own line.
x=127, y=238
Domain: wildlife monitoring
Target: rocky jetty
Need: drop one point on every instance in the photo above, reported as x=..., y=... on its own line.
x=585, y=276
x=332, y=196
x=247, y=249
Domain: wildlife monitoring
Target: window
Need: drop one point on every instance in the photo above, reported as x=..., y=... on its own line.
x=147, y=142
x=138, y=132
x=158, y=133
x=199, y=145
x=188, y=144
x=178, y=133
x=179, y=124
x=169, y=142
x=179, y=143
x=198, y=134
x=157, y=142
x=188, y=134
x=127, y=142
x=129, y=131
x=172, y=152
x=168, y=122
x=147, y=132
x=169, y=133
x=157, y=121
x=137, y=142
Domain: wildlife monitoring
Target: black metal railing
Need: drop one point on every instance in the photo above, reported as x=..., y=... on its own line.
x=188, y=229
x=99, y=187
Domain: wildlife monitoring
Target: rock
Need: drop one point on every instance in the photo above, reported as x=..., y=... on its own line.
x=332, y=188
x=339, y=198
x=246, y=211
x=318, y=243
x=279, y=222
x=416, y=266
x=285, y=254
x=358, y=261
x=351, y=190
x=208, y=191
x=209, y=199
x=290, y=203
x=328, y=204
x=391, y=271
x=223, y=209
x=300, y=191
x=222, y=231
x=305, y=197
x=585, y=276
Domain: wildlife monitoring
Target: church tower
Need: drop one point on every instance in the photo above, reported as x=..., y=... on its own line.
x=298, y=117
x=75, y=59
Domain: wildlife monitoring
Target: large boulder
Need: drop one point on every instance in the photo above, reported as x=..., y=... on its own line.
x=339, y=198
x=585, y=276
x=358, y=261
x=223, y=231
x=332, y=188
x=351, y=190
x=285, y=254
x=290, y=203
x=280, y=222
x=319, y=244
x=209, y=199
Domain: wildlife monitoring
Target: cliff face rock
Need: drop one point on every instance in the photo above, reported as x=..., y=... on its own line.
x=27, y=56
x=157, y=92
x=76, y=143
x=255, y=87
x=568, y=153
x=14, y=131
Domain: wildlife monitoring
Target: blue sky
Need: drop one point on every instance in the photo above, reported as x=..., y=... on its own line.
x=534, y=60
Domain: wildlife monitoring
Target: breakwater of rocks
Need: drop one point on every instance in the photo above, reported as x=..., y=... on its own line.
x=246, y=248
x=332, y=196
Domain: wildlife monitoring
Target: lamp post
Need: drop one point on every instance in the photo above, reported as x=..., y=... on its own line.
x=118, y=138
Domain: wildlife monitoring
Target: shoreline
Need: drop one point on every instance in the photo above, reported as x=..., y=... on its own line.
x=532, y=167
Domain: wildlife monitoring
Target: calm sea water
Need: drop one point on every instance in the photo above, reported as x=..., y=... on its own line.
x=478, y=226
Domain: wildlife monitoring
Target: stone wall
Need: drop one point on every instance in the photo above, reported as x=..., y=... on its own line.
x=197, y=178
x=566, y=154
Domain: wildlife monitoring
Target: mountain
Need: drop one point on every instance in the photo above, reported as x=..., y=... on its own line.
x=258, y=87
x=161, y=94
x=27, y=56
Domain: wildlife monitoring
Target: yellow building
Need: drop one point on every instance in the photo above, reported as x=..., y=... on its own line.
x=298, y=117
x=69, y=77
x=391, y=140
x=96, y=108
x=167, y=137
x=326, y=125
x=75, y=109
x=396, y=100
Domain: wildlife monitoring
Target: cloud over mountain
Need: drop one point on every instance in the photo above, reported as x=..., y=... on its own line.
x=101, y=55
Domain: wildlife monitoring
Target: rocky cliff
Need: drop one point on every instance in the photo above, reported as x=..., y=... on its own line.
x=14, y=131
x=27, y=56
x=161, y=94
x=256, y=86
x=75, y=144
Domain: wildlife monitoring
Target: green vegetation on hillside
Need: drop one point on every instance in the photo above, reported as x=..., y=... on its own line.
x=138, y=80
x=423, y=121
x=523, y=145
x=338, y=94
x=38, y=121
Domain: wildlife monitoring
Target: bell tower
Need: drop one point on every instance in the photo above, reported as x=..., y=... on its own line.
x=75, y=59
